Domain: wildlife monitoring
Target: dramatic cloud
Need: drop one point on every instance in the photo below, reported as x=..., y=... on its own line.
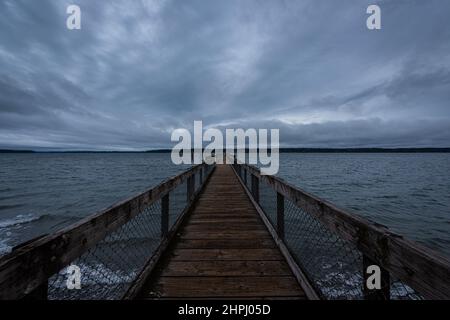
x=138, y=69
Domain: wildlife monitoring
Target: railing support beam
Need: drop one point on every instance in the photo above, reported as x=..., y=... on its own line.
x=189, y=185
x=164, y=215
x=255, y=188
x=280, y=215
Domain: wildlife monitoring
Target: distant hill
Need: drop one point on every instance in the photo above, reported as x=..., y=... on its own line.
x=362, y=150
x=282, y=150
x=159, y=151
x=15, y=151
x=344, y=150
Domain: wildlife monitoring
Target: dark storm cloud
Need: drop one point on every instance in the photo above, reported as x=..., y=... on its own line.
x=139, y=69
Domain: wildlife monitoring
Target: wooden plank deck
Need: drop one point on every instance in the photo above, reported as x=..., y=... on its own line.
x=223, y=250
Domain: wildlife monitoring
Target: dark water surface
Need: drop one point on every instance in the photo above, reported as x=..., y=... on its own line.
x=41, y=193
x=410, y=193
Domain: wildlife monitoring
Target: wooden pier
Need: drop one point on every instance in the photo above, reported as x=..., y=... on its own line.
x=223, y=232
x=223, y=250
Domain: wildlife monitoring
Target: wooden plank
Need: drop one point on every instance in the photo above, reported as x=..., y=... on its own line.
x=213, y=210
x=241, y=235
x=225, y=254
x=222, y=268
x=223, y=211
x=423, y=269
x=225, y=216
x=224, y=244
x=219, y=221
x=225, y=287
x=224, y=226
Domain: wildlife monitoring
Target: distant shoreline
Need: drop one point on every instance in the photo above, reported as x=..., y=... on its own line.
x=282, y=150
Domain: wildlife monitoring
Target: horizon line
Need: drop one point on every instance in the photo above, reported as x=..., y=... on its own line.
x=281, y=150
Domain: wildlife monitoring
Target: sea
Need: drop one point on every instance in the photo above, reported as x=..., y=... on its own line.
x=408, y=192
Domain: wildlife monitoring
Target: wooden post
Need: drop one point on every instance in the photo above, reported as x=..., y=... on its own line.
x=201, y=176
x=164, y=216
x=255, y=188
x=374, y=294
x=280, y=215
x=245, y=176
x=188, y=189
x=190, y=185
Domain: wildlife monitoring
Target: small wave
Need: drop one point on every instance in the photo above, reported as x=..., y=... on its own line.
x=20, y=219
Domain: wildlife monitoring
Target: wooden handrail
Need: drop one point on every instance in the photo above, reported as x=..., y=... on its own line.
x=26, y=268
x=423, y=269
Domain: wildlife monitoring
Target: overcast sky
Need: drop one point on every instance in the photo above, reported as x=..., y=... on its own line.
x=139, y=69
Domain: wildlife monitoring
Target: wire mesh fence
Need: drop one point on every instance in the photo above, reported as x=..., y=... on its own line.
x=109, y=267
x=401, y=291
x=333, y=266
x=268, y=202
x=178, y=199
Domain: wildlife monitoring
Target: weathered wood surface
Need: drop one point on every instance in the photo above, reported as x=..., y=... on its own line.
x=266, y=254
x=233, y=287
x=226, y=243
x=419, y=267
x=25, y=269
x=223, y=251
x=218, y=268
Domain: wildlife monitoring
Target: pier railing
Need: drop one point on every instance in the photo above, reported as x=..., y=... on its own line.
x=333, y=249
x=110, y=249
